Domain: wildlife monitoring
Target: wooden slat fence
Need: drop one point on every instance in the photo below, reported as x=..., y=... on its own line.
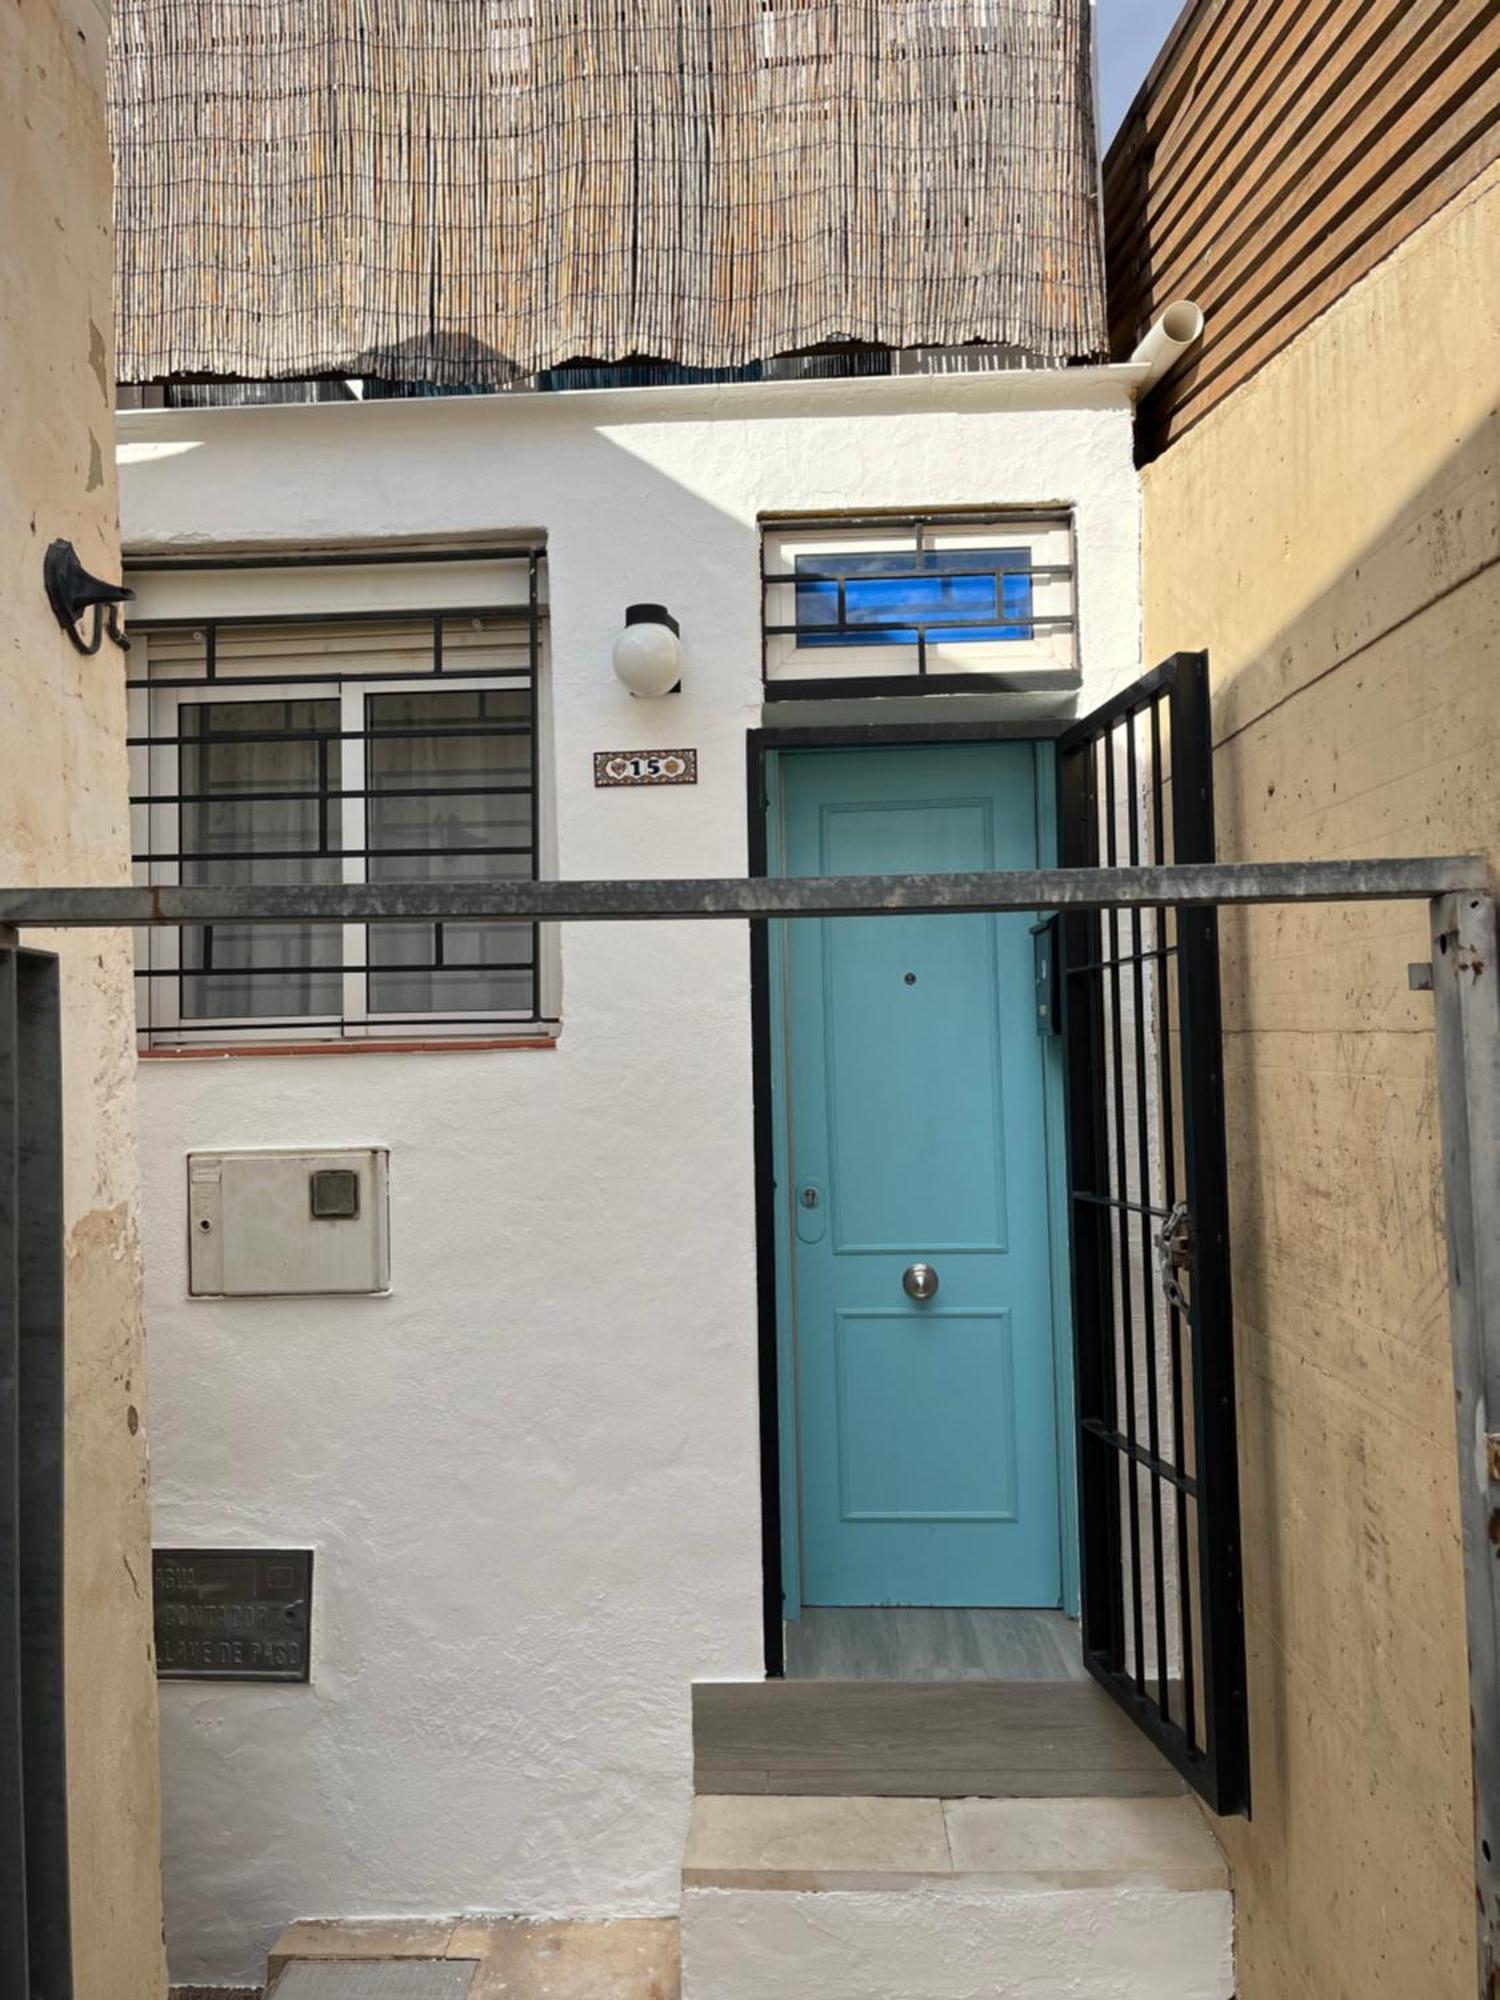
x=1278, y=151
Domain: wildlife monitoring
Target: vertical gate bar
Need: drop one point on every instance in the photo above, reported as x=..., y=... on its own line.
x=1148, y=1283
x=1100, y=1575
x=1121, y=1228
x=1169, y=1190
x=534, y=709
x=15, y=1976
x=39, y=1268
x=1466, y=1004
x=1210, y=1319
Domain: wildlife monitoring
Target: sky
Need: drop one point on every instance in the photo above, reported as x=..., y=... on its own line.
x=1130, y=33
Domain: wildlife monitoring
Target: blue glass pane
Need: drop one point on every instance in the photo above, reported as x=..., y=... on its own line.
x=953, y=594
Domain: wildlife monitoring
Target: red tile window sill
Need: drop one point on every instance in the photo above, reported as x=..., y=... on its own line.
x=350, y=1048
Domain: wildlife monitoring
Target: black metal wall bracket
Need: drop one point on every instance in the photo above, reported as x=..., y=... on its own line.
x=71, y=589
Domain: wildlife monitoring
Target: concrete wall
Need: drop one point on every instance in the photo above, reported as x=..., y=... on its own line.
x=63, y=819
x=1331, y=534
x=531, y=1473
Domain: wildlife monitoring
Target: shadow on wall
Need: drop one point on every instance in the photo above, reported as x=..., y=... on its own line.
x=1369, y=726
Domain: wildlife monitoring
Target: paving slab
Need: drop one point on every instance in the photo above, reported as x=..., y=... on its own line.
x=770, y=1842
x=372, y=1937
x=1084, y=1843
x=501, y=1958
x=627, y=1958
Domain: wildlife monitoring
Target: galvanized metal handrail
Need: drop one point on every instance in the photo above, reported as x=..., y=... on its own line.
x=1463, y=975
x=1189, y=886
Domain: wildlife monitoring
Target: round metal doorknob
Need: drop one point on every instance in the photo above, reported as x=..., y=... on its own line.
x=919, y=1281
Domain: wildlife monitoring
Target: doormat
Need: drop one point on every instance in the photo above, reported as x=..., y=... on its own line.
x=375, y=1979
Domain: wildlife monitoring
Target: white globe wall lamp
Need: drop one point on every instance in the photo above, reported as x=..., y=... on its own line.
x=648, y=652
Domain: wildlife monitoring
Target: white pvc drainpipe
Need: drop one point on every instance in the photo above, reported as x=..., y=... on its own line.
x=1177, y=329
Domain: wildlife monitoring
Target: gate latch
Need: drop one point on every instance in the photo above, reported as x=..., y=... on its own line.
x=1174, y=1253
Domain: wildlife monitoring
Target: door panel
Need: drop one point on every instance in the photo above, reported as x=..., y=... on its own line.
x=888, y=1390
x=925, y=1430
x=887, y=1027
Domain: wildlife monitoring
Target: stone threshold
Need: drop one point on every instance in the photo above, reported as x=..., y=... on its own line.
x=1001, y=1845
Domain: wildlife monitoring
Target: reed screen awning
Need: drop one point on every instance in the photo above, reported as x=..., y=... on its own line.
x=464, y=192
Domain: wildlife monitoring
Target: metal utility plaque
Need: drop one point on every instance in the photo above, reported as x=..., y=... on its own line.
x=377, y=1979
x=232, y=1614
x=288, y=1224
x=645, y=767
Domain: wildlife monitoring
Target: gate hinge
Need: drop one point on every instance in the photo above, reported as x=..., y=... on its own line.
x=1174, y=1254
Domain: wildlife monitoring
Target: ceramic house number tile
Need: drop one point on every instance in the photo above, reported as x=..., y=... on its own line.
x=645, y=767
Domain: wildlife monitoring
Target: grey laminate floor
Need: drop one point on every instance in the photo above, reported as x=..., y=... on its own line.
x=914, y=1739
x=906, y=1643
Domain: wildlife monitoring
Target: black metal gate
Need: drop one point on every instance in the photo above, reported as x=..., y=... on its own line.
x=35, y=1956
x=1163, y=1620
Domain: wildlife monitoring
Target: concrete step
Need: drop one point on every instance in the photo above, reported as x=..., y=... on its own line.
x=954, y=1899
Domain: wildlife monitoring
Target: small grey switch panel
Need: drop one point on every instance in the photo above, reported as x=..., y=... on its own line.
x=273, y=1224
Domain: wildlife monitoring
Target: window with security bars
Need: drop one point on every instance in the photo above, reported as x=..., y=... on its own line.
x=331, y=723
x=920, y=604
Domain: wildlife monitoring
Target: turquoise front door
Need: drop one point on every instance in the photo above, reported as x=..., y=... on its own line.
x=912, y=1135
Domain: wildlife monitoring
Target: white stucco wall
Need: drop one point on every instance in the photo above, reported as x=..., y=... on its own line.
x=531, y=1472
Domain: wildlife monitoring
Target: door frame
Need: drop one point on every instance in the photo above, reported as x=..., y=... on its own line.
x=781, y=1593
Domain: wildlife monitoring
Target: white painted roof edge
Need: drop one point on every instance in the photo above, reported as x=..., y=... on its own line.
x=1108, y=386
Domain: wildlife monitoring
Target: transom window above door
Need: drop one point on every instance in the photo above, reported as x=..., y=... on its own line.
x=922, y=604
x=328, y=721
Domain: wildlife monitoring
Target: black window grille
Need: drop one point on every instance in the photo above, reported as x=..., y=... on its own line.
x=982, y=595
x=924, y=604
x=341, y=746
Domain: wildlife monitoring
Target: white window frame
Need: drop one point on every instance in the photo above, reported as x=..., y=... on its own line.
x=1048, y=538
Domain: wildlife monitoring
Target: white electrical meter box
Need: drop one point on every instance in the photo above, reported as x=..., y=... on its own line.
x=272, y=1224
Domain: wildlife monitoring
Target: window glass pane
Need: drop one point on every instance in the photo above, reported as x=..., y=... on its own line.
x=957, y=594
x=255, y=781
x=449, y=777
